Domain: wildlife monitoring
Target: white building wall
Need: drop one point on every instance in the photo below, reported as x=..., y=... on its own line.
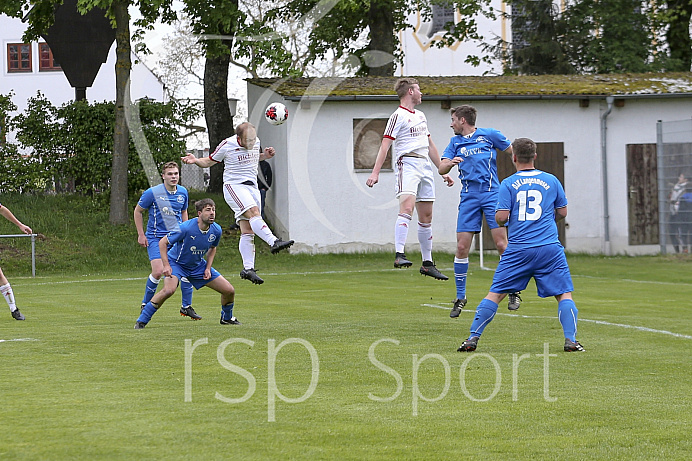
x=322, y=203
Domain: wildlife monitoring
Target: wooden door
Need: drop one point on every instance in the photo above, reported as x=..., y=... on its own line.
x=642, y=194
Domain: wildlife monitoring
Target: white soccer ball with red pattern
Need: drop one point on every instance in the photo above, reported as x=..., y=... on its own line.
x=276, y=113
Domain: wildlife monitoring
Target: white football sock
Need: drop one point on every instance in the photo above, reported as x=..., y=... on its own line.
x=425, y=239
x=260, y=228
x=9, y=296
x=246, y=247
x=401, y=231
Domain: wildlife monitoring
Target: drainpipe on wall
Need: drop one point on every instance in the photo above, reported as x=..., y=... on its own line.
x=604, y=169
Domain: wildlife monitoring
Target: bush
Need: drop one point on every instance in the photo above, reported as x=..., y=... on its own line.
x=70, y=148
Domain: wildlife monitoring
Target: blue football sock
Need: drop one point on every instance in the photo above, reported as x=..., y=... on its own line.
x=146, y=314
x=227, y=311
x=485, y=312
x=186, y=291
x=150, y=290
x=567, y=313
x=461, y=267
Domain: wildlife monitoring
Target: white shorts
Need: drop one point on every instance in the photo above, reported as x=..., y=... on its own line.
x=241, y=197
x=414, y=176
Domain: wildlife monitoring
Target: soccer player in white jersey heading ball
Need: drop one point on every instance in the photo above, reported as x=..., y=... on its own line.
x=240, y=155
x=413, y=150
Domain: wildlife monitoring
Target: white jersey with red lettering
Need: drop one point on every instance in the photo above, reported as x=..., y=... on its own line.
x=239, y=163
x=409, y=132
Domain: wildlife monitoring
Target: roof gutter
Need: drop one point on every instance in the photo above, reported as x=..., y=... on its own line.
x=514, y=97
x=604, y=170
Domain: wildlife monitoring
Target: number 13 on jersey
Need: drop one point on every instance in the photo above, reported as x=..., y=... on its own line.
x=529, y=205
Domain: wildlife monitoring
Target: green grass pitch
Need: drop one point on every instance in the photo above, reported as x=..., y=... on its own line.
x=340, y=357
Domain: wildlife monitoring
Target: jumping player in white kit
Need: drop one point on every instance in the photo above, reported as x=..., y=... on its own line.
x=240, y=155
x=412, y=151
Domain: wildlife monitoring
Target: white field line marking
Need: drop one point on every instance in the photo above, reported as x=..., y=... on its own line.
x=630, y=280
x=599, y=322
x=18, y=339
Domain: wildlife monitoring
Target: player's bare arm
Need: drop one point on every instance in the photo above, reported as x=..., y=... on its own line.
x=379, y=161
x=560, y=213
x=210, y=259
x=434, y=155
x=501, y=217
x=446, y=164
x=7, y=214
x=203, y=162
x=163, y=248
x=139, y=225
x=268, y=153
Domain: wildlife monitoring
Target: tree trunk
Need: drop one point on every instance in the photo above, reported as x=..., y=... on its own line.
x=119, y=213
x=216, y=111
x=678, y=34
x=381, y=24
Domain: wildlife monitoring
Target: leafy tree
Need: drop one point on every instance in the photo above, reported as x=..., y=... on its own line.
x=535, y=47
x=367, y=29
x=677, y=16
x=42, y=17
x=608, y=36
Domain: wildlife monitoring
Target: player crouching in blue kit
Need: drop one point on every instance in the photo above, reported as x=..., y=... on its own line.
x=197, y=237
x=530, y=202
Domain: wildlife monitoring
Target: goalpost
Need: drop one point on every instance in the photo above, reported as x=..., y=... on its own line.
x=480, y=245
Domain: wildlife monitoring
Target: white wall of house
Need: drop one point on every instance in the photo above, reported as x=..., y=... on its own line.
x=54, y=84
x=320, y=201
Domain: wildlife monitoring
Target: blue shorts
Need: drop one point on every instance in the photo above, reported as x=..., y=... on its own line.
x=196, y=276
x=153, y=247
x=547, y=264
x=470, y=207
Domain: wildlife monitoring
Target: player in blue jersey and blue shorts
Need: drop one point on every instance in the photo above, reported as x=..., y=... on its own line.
x=530, y=202
x=474, y=151
x=167, y=207
x=195, y=239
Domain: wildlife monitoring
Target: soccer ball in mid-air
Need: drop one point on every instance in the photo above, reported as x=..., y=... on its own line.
x=276, y=113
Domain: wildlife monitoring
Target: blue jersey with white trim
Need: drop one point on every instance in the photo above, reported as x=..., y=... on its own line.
x=531, y=196
x=165, y=209
x=478, y=171
x=190, y=244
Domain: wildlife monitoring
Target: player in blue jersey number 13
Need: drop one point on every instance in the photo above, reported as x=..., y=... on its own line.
x=530, y=202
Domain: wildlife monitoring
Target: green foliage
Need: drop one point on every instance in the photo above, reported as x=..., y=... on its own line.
x=71, y=147
x=589, y=36
x=337, y=30
x=351, y=29
x=674, y=16
x=608, y=36
x=535, y=49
